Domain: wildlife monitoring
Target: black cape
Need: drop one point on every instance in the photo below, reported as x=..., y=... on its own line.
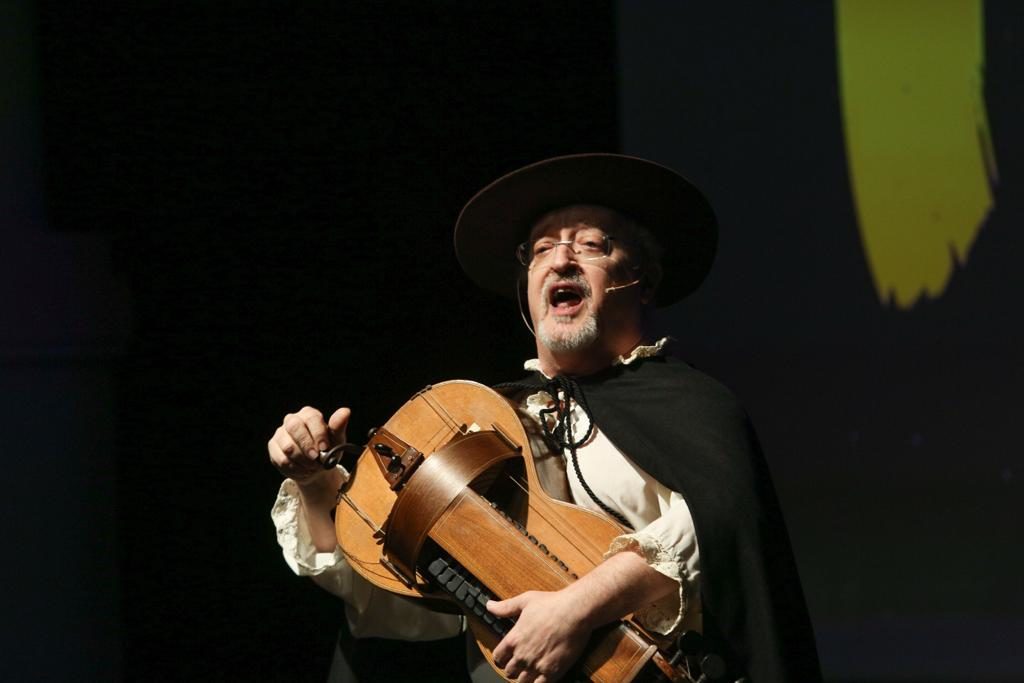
x=689, y=432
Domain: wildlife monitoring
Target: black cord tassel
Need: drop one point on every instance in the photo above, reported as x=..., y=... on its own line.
x=564, y=390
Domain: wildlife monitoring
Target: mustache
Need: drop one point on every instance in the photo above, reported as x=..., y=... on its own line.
x=576, y=279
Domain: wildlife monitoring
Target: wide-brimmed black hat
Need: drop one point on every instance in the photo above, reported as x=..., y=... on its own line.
x=500, y=216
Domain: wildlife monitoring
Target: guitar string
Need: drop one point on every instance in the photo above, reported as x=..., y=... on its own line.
x=442, y=435
x=560, y=528
x=440, y=410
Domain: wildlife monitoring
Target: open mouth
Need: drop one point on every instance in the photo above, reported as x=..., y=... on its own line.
x=565, y=298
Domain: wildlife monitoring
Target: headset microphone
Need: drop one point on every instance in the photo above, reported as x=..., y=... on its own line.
x=628, y=284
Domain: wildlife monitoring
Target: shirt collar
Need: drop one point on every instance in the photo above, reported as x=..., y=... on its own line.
x=642, y=351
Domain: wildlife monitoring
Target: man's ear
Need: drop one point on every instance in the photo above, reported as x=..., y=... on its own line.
x=522, y=282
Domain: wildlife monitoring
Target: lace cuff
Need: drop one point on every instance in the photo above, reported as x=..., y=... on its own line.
x=371, y=611
x=294, y=538
x=665, y=615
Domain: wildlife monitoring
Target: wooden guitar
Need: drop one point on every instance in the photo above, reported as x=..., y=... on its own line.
x=445, y=504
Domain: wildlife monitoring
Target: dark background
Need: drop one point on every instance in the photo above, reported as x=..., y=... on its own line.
x=219, y=213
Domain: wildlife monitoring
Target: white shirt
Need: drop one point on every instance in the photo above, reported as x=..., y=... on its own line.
x=664, y=534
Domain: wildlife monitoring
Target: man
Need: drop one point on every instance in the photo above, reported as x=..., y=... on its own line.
x=646, y=439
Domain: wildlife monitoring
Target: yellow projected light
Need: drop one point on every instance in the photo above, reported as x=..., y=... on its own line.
x=917, y=138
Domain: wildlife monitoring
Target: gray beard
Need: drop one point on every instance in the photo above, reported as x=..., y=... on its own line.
x=565, y=341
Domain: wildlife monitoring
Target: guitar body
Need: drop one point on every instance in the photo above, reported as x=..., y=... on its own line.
x=445, y=504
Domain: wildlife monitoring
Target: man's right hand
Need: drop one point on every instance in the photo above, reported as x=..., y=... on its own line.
x=297, y=443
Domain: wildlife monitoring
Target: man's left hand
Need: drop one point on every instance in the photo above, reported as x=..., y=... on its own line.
x=549, y=636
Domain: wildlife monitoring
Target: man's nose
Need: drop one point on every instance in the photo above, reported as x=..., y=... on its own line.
x=563, y=256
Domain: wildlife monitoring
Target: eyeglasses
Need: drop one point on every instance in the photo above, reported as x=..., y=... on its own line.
x=587, y=245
